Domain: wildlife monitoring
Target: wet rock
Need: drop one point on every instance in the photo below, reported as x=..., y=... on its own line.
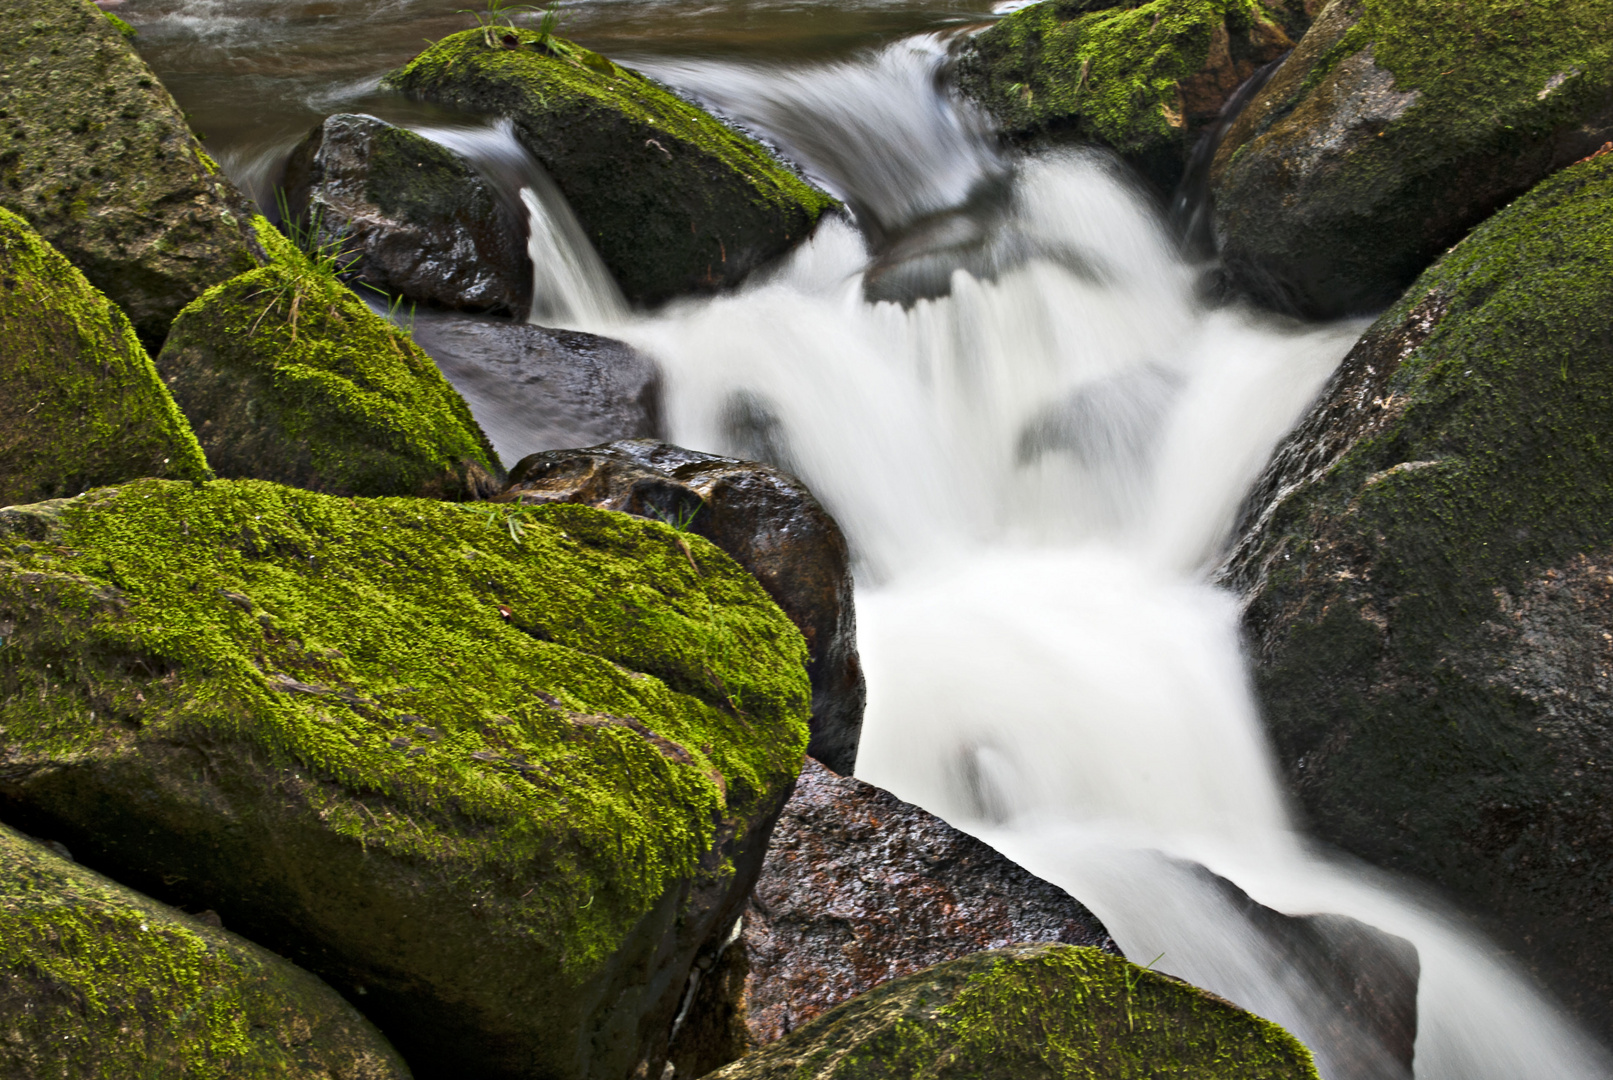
x=1145, y=79
x=1394, y=129
x=80, y=402
x=1032, y=1010
x=412, y=218
x=860, y=888
x=97, y=980
x=1429, y=585
x=674, y=200
x=766, y=519
x=532, y=388
x=496, y=778
x=99, y=159
x=287, y=376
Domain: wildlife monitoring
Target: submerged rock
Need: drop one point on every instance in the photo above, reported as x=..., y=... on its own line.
x=80, y=402
x=534, y=389
x=1428, y=570
x=1391, y=131
x=1032, y=1010
x=287, y=376
x=860, y=888
x=96, y=980
x=495, y=775
x=410, y=217
x=674, y=200
x=99, y=159
x=763, y=517
x=1143, y=78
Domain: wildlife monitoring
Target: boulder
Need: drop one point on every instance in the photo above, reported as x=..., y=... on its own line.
x=1146, y=79
x=99, y=159
x=410, y=217
x=287, y=376
x=96, y=980
x=1428, y=573
x=860, y=888
x=763, y=517
x=1391, y=131
x=496, y=775
x=1032, y=1010
x=674, y=200
x=80, y=402
x=533, y=388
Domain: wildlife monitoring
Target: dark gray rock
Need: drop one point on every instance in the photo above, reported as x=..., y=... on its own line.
x=413, y=218
x=763, y=517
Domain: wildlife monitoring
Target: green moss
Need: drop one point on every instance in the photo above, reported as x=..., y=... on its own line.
x=123, y=28
x=81, y=402
x=288, y=376
x=367, y=717
x=673, y=198
x=1032, y=1010
x=98, y=981
x=416, y=180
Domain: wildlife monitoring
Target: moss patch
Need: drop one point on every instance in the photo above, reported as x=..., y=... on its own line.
x=98, y=981
x=674, y=200
x=287, y=376
x=98, y=158
x=1032, y=1010
x=508, y=788
x=80, y=402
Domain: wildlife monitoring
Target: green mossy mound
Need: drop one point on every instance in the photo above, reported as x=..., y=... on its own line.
x=495, y=774
x=1056, y=1011
x=80, y=402
x=98, y=158
x=97, y=981
x=288, y=376
x=1431, y=595
x=1143, y=78
x=1395, y=127
x=674, y=200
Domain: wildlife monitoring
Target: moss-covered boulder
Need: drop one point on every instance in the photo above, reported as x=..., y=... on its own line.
x=1144, y=77
x=98, y=158
x=99, y=981
x=1429, y=568
x=674, y=200
x=1032, y=1010
x=496, y=776
x=287, y=376
x=1394, y=128
x=80, y=402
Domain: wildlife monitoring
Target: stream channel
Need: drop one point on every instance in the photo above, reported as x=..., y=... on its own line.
x=1036, y=465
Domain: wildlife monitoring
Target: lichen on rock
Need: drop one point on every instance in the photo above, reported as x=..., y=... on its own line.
x=674, y=200
x=99, y=981
x=287, y=376
x=98, y=158
x=80, y=402
x=1032, y=1010
x=496, y=775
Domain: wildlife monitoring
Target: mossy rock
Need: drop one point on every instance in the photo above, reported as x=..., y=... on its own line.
x=80, y=402
x=99, y=159
x=99, y=981
x=674, y=200
x=1394, y=128
x=1056, y=1011
x=497, y=776
x=287, y=376
x=1429, y=568
x=1143, y=78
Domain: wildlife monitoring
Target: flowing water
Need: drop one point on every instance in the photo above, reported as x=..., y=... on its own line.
x=1036, y=458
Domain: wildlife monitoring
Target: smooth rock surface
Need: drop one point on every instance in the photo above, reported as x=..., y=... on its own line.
x=763, y=517
x=97, y=980
x=99, y=159
x=412, y=218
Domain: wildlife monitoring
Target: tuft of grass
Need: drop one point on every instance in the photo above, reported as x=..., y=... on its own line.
x=497, y=14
